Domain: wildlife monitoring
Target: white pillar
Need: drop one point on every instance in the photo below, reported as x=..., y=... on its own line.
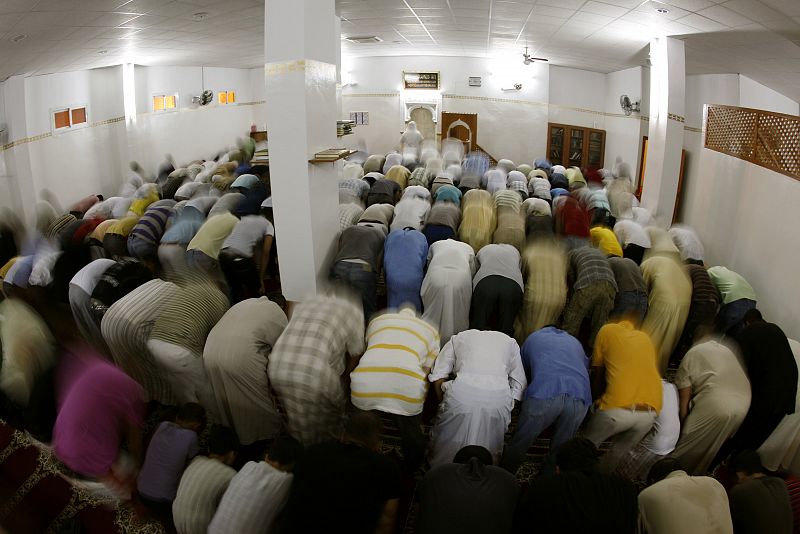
x=18, y=171
x=300, y=49
x=665, y=138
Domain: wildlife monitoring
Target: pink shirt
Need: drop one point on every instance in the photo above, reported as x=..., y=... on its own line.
x=99, y=401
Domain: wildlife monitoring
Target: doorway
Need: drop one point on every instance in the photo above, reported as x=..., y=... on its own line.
x=462, y=126
x=424, y=119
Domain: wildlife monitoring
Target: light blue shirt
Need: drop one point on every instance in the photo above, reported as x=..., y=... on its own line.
x=555, y=364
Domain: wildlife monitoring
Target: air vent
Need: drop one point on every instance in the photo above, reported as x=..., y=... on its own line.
x=364, y=40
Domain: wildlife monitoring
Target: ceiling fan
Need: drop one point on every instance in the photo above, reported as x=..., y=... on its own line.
x=528, y=59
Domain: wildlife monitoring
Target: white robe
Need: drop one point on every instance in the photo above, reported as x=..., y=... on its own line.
x=447, y=288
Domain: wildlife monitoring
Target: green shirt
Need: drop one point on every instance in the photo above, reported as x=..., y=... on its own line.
x=731, y=286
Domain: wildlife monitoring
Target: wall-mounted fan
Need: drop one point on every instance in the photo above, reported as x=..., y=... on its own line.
x=627, y=106
x=204, y=99
x=528, y=59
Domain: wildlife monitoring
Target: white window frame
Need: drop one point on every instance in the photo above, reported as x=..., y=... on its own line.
x=71, y=126
x=226, y=91
x=166, y=94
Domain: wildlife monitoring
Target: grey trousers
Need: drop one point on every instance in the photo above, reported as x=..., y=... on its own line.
x=79, y=302
x=626, y=426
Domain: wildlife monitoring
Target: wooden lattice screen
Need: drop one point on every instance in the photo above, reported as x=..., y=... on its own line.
x=771, y=140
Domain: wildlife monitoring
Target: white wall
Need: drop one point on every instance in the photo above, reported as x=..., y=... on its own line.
x=624, y=133
x=574, y=88
x=754, y=95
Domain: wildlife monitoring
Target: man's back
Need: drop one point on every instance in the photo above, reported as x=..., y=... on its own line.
x=770, y=366
x=686, y=505
x=761, y=505
x=466, y=498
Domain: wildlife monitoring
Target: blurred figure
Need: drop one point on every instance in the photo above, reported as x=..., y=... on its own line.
x=410, y=212
x=476, y=406
x=235, y=357
x=384, y=191
x=411, y=139
x=145, y=236
x=593, y=291
x=374, y=163
x=737, y=297
x=202, y=252
x=544, y=264
x=478, y=219
x=100, y=408
x=688, y=243
x=634, y=240
x=320, y=345
x=631, y=289
x=473, y=168
x=243, y=268
x=759, y=503
x=510, y=224
x=496, y=289
x=447, y=288
x=80, y=295
x=677, y=502
x=572, y=223
x=702, y=310
x=390, y=376
x=405, y=253
x=468, y=495
x=442, y=222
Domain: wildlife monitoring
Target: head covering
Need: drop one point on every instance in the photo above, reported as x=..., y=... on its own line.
x=246, y=181
x=524, y=169
x=380, y=213
x=545, y=166
x=558, y=169
x=374, y=163
x=391, y=160
x=448, y=193
x=370, y=177
x=575, y=178
x=507, y=165
x=352, y=170
x=441, y=179
x=267, y=203
x=536, y=206
x=417, y=191
x=516, y=176
x=399, y=175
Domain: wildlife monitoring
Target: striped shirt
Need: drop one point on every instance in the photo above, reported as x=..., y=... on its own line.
x=507, y=199
x=200, y=491
x=353, y=190
x=703, y=289
x=254, y=498
x=308, y=360
x=150, y=227
x=190, y=315
x=349, y=214
x=390, y=376
x=589, y=266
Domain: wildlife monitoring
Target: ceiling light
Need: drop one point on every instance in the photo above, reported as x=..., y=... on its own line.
x=18, y=38
x=364, y=39
x=662, y=10
x=200, y=16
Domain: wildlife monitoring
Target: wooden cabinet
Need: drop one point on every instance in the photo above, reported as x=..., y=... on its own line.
x=575, y=146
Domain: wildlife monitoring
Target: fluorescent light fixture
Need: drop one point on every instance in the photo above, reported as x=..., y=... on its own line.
x=129, y=92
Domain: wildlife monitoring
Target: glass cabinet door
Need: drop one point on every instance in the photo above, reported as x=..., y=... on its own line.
x=595, y=159
x=556, y=155
x=576, y=142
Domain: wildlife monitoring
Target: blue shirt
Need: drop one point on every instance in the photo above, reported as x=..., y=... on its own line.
x=404, y=255
x=185, y=226
x=555, y=364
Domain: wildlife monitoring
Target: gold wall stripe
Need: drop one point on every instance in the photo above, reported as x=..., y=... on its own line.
x=368, y=95
x=693, y=129
x=677, y=118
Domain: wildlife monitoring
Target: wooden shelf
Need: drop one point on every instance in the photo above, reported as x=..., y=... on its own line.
x=330, y=157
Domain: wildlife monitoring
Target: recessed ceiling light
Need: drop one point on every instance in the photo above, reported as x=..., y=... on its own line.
x=662, y=10
x=18, y=38
x=200, y=16
x=101, y=52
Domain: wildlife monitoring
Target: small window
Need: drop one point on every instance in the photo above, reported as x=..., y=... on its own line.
x=226, y=97
x=66, y=119
x=231, y=97
x=165, y=102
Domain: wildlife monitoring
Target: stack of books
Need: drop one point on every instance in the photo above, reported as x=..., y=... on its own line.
x=344, y=127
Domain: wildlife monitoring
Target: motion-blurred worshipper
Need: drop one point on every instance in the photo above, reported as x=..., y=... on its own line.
x=544, y=265
x=391, y=376
x=478, y=219
x=758, y=502
x=628, y=405
x=688, y=243
x=145, y=236
x=257, y=494
x=442, y=222
x=558, y=394
x=374, y=163
x=227, y=203
x=179, y=335
x=320, y=345
x=605, y=239
x=677, y=502
x=82, y=206
x=737, y=297
x=119, y=279
x=510, y=224
x=171, y=448
x=661, y=244
x=384, y=191
x=399, y=175
x=772, y=371
x=476, y=406
x=410, y=213
x=353, y=190
x=495, y=180
x=714, y=399
x=468, y=495
x=669, y=292
x=115, y=240
x=580, y=498
x=204, y=482
x=447, y=288
x=100, y=407
x=346, y=485
x=593, y=291
x=633, y=238
x=411, y=138
x=631, y=289
x=571, y=222
x=244, y=271
x=181, y=228
x=405, y=254
x=80, y=295
x=349, y=214
x=235, y=356
x=202, y=252
x=702, y=310
x=496, y=289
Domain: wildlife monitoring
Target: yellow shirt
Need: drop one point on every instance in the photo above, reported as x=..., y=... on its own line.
x=100, y=231
x=5, y=268
x=123, y=226
x=629, y=358
x=605, y=239
x=212, y=234
x=139, y=205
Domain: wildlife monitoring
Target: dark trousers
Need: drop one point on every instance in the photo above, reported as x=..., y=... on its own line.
x=495, y=296
x=412, y=440
x=360, y=277
x=115, y=246
x=437, y=232
x=634, y=252
x=241, y=275
x=731, y=315
x=699, y=313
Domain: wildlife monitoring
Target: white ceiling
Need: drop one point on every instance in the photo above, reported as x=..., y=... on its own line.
x=758, y=38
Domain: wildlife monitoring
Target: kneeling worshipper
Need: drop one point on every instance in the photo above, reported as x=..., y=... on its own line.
x=308, y=362
x=181, y=229
x=80, y=302
x=391, y=376
x=115, y=240
x=179, y=335
x=100, y=408
x=782, y=447
x=510, y=224
x=634, y=240
x=631, y=289
x=714, y=399
x=410, y=212
x=384, y=191
x=126, y=328
x=202, y=252
x=405, y=253
x=702, y=310
x=476, y=406
x=669, y=292
x=478, y=219
x=688, y=243
x=442, y=222
x=677, y=502
x=146, y=235
x=593, y=291
x=759, y=502
x=661, y=244
x=544, y=263
x=244, y=271
x=447, y=288
x=736, y=298
x=496, y=289
x=235, y=356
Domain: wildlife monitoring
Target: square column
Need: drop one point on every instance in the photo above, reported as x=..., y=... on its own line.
x=301, y=112
x=665, y=137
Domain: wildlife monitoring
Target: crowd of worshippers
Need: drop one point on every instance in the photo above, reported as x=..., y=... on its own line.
x=530, y=286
